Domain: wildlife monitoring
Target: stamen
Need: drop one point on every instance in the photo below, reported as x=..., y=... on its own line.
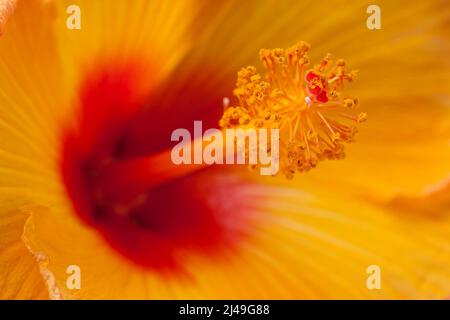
x=308, y=106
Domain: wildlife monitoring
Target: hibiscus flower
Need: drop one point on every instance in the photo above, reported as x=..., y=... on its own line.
x=86, y=178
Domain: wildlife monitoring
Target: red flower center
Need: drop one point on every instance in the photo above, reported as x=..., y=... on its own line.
x=119, y=177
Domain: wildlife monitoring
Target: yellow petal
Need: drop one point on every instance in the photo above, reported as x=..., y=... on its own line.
x=402, y=148
x=154, y=30
x=6, y=10
x=333, y=243
x=301, y=246
x=29, y=110
x=20, y=277
x=433, y=201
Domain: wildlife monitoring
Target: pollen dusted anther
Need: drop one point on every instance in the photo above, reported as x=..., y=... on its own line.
x=309, y=106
